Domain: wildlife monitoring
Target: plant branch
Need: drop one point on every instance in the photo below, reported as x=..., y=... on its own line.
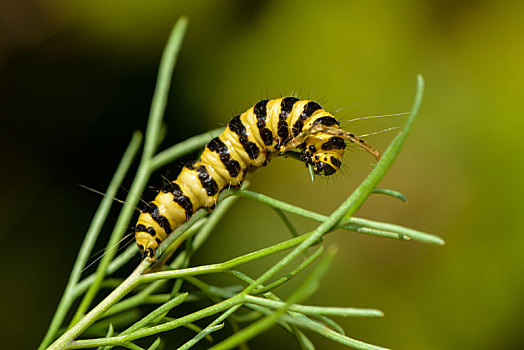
x=360, y=225
x=144, y=170
x=316, y=310
x=128, y=285
x=89, y=241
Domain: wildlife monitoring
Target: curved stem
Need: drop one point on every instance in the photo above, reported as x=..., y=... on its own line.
x=165, y=71
x=145, y=332
x=224, y=266
x=165, y=74
x=122, y=290
x=89, y=241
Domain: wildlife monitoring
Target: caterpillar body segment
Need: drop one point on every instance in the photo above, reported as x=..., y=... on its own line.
x=251, y=139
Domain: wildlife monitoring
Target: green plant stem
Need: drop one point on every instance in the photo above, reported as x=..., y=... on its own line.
x=316, y=310
x=224, y=266
x=331, y=334
x=110, y=331
x=92, y=234
x=360, y=225
x=117, y=263
x=174, y=152
x=113, y=298
x=131, y=346
x=212, y=327
x=191, y=326
x=138, y=185
x=144, y=170
x=148, y=331
x=307, y=261
x=272, y=296
x=391, y=193
x=287, y=222
x=209, y=225
x=395, y=229
x=335, y=326
x=274, y=303
x=302, y=339
x=364, y=190
x=120, y=226
x=130, y=302
x=157, y=312
x=260, y=311
x=134, y=280
x=163, y=82
x=129, y=284
x=275, y=203
x=121, y=320
x=192, y=227
x=162, y=309
x=155, y=344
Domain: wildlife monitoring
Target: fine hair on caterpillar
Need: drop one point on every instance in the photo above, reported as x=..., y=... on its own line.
x=99, y=254
x=268, y=129
x=104, y=251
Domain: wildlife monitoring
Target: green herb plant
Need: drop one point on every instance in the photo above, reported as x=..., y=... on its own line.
x=251, y=307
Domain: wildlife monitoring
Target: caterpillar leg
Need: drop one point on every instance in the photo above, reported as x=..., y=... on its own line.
x=351, y=138
x=322, y=129
x=300, y=138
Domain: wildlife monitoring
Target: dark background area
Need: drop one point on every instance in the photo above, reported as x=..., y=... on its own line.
x=76, y=79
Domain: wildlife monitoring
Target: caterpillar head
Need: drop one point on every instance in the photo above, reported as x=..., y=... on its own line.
x=324, y=153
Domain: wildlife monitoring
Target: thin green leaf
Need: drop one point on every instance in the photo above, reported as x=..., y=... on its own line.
x=163, y=82
x=331, y=323
x=153, y=315
x=330, y=334
x=224, y=266
x=360, y=225
x=293, y=273
x=391, y=193
x=99, y=328
x=131, y=346
x=117, y=263
x=311, y=172
x=212, y=327
x=110, y=332
x=174, y=152
x=194, y=328
x=316, y=310
x=287, y=222
x=155, y=344
x=396, y=229
x=157, y=312
x=302, y=339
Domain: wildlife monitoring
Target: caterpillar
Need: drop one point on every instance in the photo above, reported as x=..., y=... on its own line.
x=251, y=139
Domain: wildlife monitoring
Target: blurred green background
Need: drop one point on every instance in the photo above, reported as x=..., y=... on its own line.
x=76, y=78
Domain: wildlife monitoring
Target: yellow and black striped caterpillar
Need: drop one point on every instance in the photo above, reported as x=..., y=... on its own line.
x=251, y=139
